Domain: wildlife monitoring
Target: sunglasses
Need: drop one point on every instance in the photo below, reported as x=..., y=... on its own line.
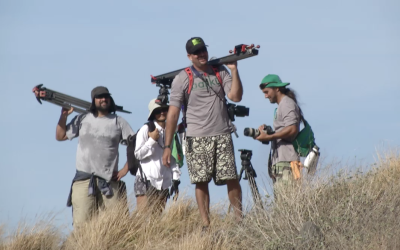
x=159, y=111
x=102, y=96
x=204, y=49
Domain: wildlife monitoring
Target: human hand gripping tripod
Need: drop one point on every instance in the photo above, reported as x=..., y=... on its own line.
x=250, y=175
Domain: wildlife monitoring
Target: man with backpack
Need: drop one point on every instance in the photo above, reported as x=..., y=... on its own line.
x=153, y=179
x=284, y=164
x=97, y=181
x=201, y=90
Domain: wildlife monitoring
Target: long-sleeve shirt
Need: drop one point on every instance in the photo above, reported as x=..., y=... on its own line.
x=150, y=152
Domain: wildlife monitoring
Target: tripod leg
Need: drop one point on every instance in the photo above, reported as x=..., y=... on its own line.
x=67, y=105
x=72, y=99
x=254, y=191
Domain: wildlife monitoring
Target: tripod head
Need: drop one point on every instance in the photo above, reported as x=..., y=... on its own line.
x=250, y=175
x=163, y=93
x=245, y=156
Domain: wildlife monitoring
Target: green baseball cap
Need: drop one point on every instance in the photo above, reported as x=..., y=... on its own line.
x=272, y=81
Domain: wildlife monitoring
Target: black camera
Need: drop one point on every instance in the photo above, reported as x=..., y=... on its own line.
x=163, y=93
x=240, y=111
x=254, y=132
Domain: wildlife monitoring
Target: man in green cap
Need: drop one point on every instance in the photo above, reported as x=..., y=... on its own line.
x=284, y=163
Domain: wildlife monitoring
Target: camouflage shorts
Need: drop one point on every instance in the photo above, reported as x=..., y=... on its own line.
x=211, y=157
x=286, y=176
x=142, y=189
x=282, y=172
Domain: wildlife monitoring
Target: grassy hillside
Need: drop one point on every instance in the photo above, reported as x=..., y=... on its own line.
x=351, y=210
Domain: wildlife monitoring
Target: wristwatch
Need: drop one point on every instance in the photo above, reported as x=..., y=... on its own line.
x=167, y=146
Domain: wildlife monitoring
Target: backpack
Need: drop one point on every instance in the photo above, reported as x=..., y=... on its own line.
x=133, y=163
x=304, y=141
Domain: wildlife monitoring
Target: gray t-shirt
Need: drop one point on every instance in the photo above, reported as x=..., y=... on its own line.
x=99, y=138
x=287, y=114
x=206, y=113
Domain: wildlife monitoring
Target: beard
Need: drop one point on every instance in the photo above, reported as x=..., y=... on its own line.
x=273, y=100
x=102, y=108
x=200, y=64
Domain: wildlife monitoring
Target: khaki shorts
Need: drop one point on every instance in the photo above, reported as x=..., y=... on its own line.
x=211, y=157
x=85, y=206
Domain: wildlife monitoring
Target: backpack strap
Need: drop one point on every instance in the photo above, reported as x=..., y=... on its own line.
x=189, y=72
x=216, y=72
x=151, y=127
x=190, y=75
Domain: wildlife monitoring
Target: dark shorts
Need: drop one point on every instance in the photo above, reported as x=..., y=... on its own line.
x=140, y=189
x=211, y=157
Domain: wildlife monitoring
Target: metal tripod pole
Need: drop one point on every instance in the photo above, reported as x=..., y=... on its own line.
x=254, y=189
x=250, y=175
x=65, y=101
x=240, y=52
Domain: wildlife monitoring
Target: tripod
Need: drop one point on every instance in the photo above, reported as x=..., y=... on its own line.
x=250, y=175
x=66, y=101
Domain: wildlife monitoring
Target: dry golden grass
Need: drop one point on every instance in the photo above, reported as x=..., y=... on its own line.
x=352, y=210
x=41, y=235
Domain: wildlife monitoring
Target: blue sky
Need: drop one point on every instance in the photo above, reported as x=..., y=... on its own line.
x=342, y=58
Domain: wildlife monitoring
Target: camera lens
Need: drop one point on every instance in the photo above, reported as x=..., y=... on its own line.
x=251, y=132
x=247, y=131
x=242, y=111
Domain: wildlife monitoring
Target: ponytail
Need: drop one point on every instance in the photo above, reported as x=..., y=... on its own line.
x=292, y=94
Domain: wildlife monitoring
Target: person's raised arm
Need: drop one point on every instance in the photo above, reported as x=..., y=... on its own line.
x=236, y=92
x=61, y=130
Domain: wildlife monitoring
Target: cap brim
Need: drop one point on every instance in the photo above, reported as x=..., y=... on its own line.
x=276, y=84
x=197, y=47
x=101, y=93
x=151, y=112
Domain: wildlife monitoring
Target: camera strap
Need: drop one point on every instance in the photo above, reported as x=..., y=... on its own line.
x=197, y=74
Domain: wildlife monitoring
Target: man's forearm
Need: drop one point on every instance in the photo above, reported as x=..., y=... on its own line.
x=126, y=166
x=172, y=120
x=285, y=133
x=236, y=92
x=61, y=128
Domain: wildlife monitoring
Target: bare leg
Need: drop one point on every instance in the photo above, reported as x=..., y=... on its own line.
x=159, y=204
x=141, y=202
x=235, y=197
x=203, y=201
